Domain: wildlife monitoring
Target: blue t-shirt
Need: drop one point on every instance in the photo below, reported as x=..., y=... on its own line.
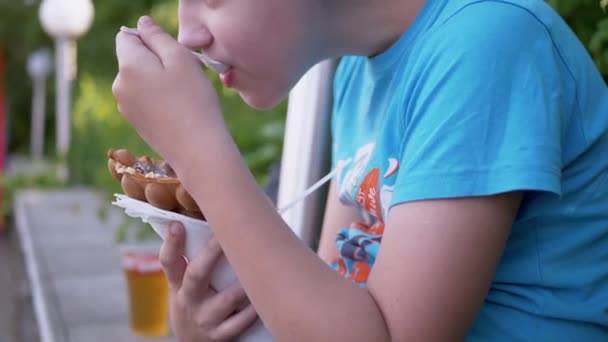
x=480, y=98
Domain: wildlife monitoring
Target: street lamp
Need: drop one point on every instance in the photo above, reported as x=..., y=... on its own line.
x=38, y=67
x=65, y=21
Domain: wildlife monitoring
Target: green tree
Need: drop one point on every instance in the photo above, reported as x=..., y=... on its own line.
x=20, y=34
x=590, y=23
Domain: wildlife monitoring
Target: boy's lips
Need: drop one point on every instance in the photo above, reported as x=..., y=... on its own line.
x=227, y=77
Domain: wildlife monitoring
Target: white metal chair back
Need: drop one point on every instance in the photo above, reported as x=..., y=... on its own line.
x=306, y=149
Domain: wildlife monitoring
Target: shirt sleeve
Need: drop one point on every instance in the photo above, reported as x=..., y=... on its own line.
x=487, y=112
x=344, y=72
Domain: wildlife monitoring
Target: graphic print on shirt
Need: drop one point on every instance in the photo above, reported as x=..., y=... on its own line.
x=368, y=187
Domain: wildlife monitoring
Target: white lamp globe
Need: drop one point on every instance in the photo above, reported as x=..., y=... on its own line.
x=39, y=64
x=66, y=18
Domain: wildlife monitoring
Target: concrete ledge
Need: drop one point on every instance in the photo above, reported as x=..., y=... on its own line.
x=39, y=299
x=73, y=266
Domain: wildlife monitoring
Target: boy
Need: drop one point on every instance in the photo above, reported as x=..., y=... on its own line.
x=470, y=138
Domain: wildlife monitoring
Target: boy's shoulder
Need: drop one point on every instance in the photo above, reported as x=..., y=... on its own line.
x=494, y=22
x=496, y=10
x=470, y=33
x=486, y=26
x=513, y=33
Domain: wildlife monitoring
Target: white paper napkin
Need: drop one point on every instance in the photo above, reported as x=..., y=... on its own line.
x=197, y=232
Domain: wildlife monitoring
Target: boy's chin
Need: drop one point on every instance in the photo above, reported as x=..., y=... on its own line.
x=261, y=101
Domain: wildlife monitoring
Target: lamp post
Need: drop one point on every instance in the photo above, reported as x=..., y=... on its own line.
x=38, y=68
x=3, y=132
x=65, y=21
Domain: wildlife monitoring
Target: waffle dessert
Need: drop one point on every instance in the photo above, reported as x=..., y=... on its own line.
x=152, y=181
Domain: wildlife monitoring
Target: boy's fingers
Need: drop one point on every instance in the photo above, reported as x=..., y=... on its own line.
x=171, y=255
x=236, y=324
x=226, y=302
x=131, y=51
x=157, y=40
x=198, y=273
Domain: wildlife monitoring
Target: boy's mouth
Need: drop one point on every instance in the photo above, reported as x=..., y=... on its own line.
x=227, y=77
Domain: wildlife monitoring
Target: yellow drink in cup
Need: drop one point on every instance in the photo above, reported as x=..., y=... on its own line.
x=148, y=292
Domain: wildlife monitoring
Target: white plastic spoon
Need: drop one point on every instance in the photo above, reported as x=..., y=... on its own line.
x=214, y=65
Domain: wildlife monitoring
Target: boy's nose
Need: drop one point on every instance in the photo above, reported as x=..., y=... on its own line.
x=193, y=33
x=198, y=37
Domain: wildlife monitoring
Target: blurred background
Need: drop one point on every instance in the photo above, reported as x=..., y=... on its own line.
x=57, y=120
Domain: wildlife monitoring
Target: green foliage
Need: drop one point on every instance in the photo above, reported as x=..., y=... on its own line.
x=20, y=35
x=590, y=24
x=97, y=126
x=131, y=230
x=12, y=184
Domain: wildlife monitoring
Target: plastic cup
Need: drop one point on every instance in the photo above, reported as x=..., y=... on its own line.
x=148, y=291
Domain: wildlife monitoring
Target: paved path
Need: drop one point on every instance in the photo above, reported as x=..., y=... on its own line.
x=17, y=321
x=73, y=266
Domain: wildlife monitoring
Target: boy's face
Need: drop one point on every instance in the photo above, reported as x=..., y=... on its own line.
x=269, y=44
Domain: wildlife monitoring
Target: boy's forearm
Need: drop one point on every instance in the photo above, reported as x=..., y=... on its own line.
x=295, y=293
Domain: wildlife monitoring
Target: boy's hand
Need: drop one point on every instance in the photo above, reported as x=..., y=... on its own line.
x=162, y=91
x=198, y=313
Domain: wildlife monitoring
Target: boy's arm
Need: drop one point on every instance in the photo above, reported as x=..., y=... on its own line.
x=337, y=216
x=432, y=273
